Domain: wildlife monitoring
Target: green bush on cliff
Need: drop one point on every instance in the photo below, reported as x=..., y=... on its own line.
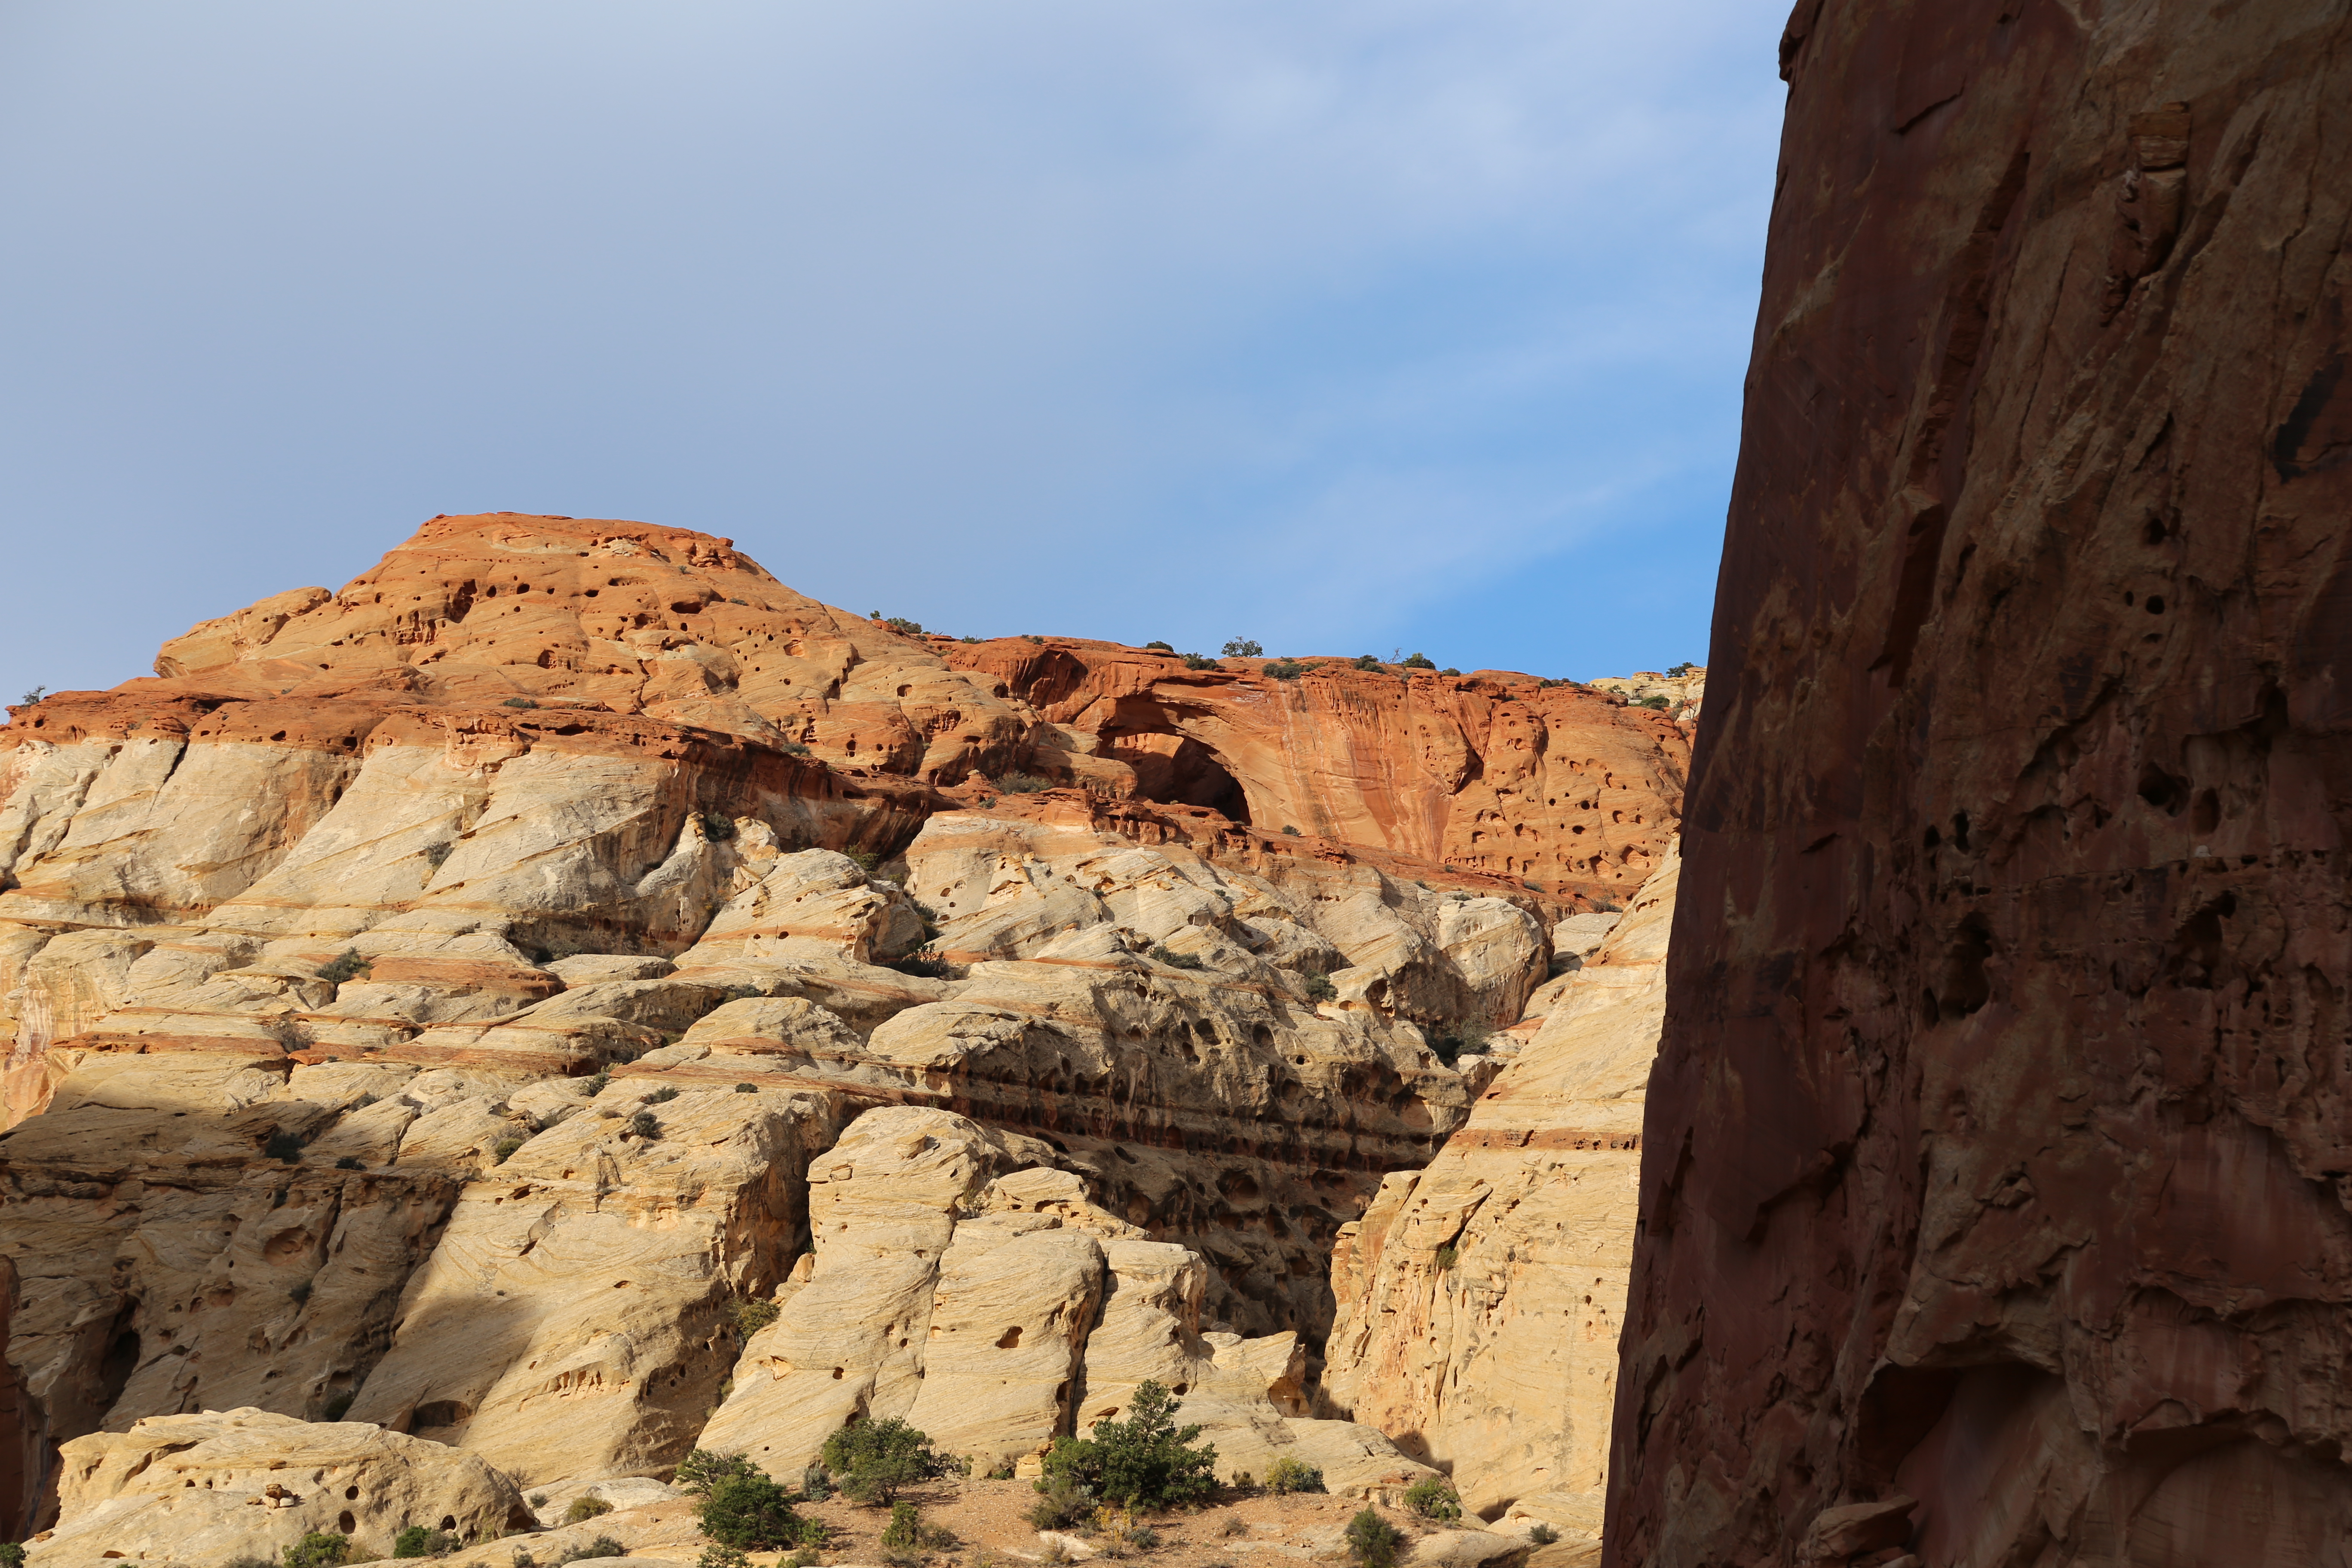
x=1144, y=1461
x=1433, y=1497
x=1373, y=1540
x=749, y=1511
x=317, y=1550
x=873, y=1461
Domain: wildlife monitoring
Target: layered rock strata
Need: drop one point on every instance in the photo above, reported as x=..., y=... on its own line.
x=1561, y=786
x=1992, y=1180
x=427, y=1011
x=1479, y=1298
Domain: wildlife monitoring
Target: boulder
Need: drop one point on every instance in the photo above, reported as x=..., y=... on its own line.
x=248, y=1483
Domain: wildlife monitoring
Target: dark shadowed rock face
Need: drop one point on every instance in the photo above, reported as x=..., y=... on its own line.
x=2000, y=1150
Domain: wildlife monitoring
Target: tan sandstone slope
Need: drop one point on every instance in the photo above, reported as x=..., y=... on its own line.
x=435, y=1007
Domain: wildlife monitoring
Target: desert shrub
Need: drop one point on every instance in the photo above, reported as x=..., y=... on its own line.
x=746, y=1088
x=1678, y=670
x=283, y=1145
x=1283, y=669
x=644, y=1125
x=1433, y=1497
x=602, y=1546
x=1061, y=1501
x=926, y=968
x=1320, y=989
x=750, y=1314
x=749, y=1512
x=1658, y=702
x=1175, y=960
x=349, y=1163
x=1368, y=661
x=1372, y=1541
x=1420, y=661
x=701, y=1470
x=1290, y=832
x=1195, y=661
x=35, y=695
x=298, y=1292
x=249, y=1562
x=1288, y=1475
x=593, y=1087
x=12, y=1555
x=347, y=965
x=317, y=1550
x=416, y=1541
x=1446, y=1256
x=816, y=1484
x=793, y=748
x=718, y=827
x=435, y=854
x=1143, y=1538
x=503, y=1149
x=1448, y=1042
x=719, y=1555
x=662, y=1095
x=902, y=625
x=866, y=859
x=586, y=1507
x=538, y=1499
x=1450, y=670
x=1023, y=783
x=1542, y=1534
x=873, y=1461
x=334, y=1411
x=519, y=702
x=905, y=1530
x=1235, y=1525
x=1242, y=648
x=1144, y=1461
x=1163, y=647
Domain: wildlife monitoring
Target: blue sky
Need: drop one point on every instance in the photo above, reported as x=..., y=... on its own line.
x=1348, y=327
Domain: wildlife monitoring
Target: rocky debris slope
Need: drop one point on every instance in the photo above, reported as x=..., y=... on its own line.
x=1561, y=786
x=1479, y=1298
x=1994, y=1170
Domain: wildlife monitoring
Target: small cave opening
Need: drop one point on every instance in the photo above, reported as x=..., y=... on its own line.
x=1180, y=770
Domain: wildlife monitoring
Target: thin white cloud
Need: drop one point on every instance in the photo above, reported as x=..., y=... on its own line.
x=980, y=309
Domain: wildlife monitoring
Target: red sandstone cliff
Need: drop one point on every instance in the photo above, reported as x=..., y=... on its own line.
x=1995, y=1167
x=1561, y=786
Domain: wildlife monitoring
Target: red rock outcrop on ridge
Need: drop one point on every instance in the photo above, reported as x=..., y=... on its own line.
x=1552, y=784
x=1995, y=1182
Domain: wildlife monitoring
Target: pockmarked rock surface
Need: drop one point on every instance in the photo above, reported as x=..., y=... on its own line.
x=1480, y=1297
x=247, y=1483
x=1994, y=1170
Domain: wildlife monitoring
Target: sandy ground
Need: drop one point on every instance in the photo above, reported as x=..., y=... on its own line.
x=990, y=1522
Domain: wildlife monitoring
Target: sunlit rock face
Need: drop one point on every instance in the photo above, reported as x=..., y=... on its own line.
x=1993, y=1172
x=1479, y=1298
x=1565, y=787
x=437, y=1005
